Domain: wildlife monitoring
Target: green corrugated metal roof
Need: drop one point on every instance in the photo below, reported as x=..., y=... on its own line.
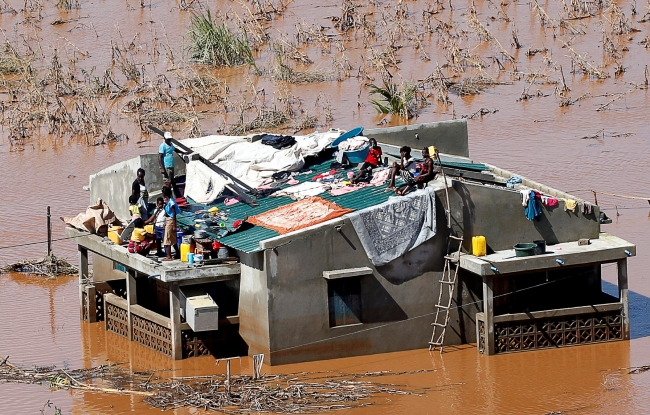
x=248, y=237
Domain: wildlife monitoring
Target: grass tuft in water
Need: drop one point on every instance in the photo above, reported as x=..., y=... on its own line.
x=215, y=44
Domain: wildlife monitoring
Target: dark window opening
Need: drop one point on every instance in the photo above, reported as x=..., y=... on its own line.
x=344, y=297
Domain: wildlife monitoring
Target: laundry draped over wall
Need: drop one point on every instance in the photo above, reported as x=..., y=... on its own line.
x=250, y=162
x=389, y=230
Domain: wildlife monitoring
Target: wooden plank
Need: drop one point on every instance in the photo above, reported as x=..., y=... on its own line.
x=572, y=311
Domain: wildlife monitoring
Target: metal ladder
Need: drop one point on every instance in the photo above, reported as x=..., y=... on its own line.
x=447, y=280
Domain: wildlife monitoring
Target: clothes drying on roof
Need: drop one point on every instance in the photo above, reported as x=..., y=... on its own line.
x=389, y=230
x=352, y=144
x=302, y=190
x=278, y=141
x=532, y=210
x=511, y=182
x=250, y=162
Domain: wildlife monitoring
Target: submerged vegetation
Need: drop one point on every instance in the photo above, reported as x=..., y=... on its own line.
x=51, y=87
x=215, y=44
x=395, y=98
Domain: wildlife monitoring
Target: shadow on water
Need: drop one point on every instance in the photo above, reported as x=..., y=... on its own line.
x=639, y=311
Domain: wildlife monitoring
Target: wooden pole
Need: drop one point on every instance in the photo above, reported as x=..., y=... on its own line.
x=49, y=232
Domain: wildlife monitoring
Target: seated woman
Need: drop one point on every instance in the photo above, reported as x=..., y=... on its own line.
x=372, y=161
x=406, y=168
x=426, y=173
x=141, y=242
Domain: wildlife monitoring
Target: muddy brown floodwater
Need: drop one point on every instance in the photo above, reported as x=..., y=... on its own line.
x=600, y=141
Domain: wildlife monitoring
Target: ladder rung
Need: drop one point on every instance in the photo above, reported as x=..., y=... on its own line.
x=442, y=306
x=448, y=282
x=439, y=324
x=456, y=237
x=451, y=258
x=435, y=343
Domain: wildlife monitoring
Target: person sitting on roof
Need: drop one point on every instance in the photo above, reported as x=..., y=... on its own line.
x=372, y=161
x=406, y=168
x=134, y=207
x=140, y=242
x=425, y=175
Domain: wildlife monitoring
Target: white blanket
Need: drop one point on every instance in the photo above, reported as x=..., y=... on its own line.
x=251, y=163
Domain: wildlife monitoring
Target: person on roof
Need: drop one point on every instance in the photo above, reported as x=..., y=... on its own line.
x=372, y=161
x=158, y=220
x=139, y=190
x=134, y=207
x=425, y=174
x=166, y=161
x=171, y=211
x=140, y=242
x=406, y=168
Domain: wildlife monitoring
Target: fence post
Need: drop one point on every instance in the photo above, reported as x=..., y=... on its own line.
x=49, y=232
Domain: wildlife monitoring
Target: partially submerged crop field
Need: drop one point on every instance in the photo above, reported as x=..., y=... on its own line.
x=272, y=65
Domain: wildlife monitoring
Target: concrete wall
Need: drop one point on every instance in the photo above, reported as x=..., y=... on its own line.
x=113, y=184
x=397, y=299
x=103, y=269
x=449, y=137
x=498, y=215
x=253, y=303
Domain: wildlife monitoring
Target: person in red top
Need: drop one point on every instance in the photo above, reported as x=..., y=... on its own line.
x=372, y=161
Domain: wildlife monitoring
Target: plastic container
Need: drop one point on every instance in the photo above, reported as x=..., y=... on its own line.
x=185, y=249
x=114, y=233
x=358, y=156
x=198, y=257
x=540, y=247
x=479, y=246
x=149, y=229
x=190, y=258
x=222, y=253
x=525, y=249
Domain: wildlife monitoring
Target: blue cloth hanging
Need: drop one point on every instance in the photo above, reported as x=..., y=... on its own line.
x=532, y=210
x=511, y=182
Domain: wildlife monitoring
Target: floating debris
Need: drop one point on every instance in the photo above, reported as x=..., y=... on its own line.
x=291, y=393
x=50, y=266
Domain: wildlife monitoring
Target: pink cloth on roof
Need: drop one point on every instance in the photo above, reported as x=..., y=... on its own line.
x=293, y=181
x=231, y=201
x=347, y=189
x=378, y=178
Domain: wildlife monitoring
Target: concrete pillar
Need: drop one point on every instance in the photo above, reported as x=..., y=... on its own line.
x=623, y=296
x=488, y=312
x=92, y=303
x=175, y=317
x=131, y=297
x=83, y=274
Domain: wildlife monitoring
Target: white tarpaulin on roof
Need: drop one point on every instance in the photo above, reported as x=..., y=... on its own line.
x=252, y=163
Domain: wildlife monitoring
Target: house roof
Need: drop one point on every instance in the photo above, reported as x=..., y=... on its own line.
x=248, y=237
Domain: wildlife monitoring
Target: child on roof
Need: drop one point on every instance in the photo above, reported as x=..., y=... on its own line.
x=372, y=161
x=140, y=242
x=425, y=174
x=158, y=220
x=134, y=207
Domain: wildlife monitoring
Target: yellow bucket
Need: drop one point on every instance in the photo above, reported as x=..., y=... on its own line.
x=479, y=246
x=114, y=233
x=149, y=229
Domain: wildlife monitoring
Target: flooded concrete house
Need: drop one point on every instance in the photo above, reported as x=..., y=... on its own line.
x=319, y=292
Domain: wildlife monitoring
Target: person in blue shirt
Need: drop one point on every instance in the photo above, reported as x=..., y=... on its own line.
x=171, y=211
x=166, y=161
